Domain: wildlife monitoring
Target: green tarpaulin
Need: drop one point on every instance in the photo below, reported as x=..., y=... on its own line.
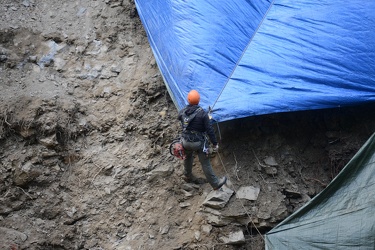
x=342, y=216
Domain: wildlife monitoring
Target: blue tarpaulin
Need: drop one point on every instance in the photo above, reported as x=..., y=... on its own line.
x=258, y=57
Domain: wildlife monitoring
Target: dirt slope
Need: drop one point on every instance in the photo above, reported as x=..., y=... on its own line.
x=85, y=126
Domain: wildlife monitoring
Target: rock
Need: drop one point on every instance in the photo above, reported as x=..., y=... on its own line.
x=249, y=193
x=280, y=212
x=264, y=215
x=163, y=113
x=71, y=212
x=3, y=58
x=107, y=73
x=219, y=198
x=56, y=167
x=54, y=36
x=206, y=229
x=184, y=204
x=25, y=174
x=27, y=132
x=33, y=59
x=116, y=68
x=26, y=3
x=271, y=171
x=11, y=237
x=49, y=142
x=160, y=172
x=197, y=235
x=190, y=187
x=292, y=194
x=235, y=238
x=6, y=209
x=270, y=161
x=80, y=49
x=215, y=217
x=305, y=198
x=165, y=229
x=59, y=64
x=187, y=194
x=81, y=11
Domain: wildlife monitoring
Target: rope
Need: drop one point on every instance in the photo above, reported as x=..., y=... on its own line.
x=242, y=205
x=248, y=215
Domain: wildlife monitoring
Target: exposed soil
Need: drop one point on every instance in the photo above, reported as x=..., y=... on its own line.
x=85, y=127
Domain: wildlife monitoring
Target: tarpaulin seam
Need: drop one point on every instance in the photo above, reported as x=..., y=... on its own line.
x=243, y=52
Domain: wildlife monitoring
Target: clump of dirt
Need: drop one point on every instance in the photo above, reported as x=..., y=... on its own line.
x=85, y=128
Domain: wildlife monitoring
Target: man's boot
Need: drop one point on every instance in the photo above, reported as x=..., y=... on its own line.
x=222, y=181
x=193, y=179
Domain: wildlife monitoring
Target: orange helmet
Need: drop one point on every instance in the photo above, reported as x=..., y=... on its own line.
x=193, y=97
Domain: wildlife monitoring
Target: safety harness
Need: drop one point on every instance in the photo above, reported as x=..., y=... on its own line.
x=176, y=148
x=186, y=119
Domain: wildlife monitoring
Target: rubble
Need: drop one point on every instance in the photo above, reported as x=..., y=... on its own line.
x=248, y=192
x=85, y=125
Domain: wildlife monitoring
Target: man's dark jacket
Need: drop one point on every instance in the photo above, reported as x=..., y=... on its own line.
x=200, y=123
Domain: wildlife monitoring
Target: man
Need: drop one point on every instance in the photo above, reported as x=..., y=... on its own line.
x=196, y=125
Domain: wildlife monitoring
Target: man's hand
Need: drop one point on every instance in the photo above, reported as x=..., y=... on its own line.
x=215, y=148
